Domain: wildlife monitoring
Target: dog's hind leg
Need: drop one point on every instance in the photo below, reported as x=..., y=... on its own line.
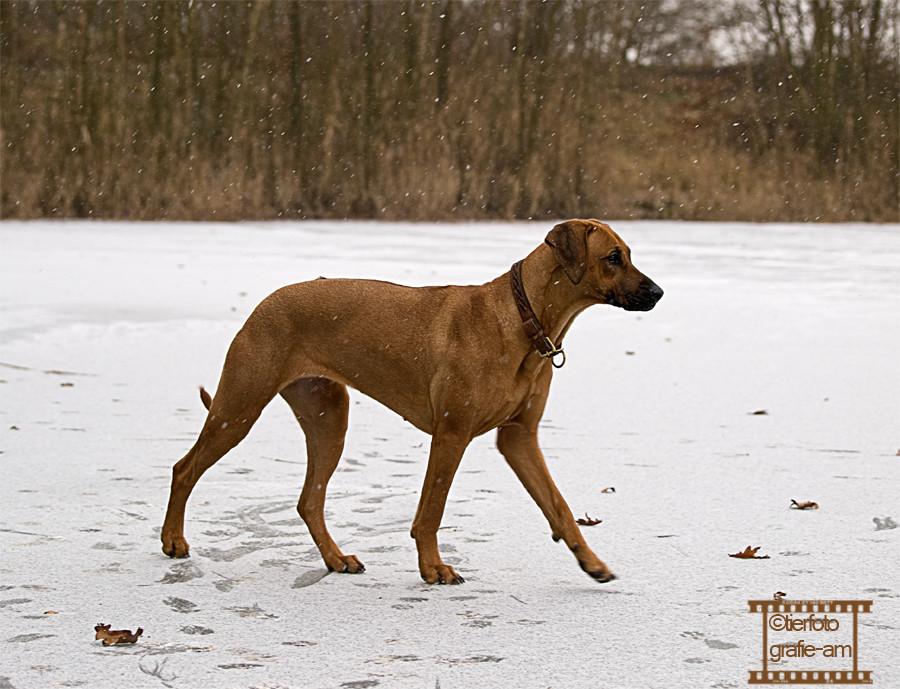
x=216, y=439
x=322, y=407
x=244, y=390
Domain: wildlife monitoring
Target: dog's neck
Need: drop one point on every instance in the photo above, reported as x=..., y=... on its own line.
x=555, y=300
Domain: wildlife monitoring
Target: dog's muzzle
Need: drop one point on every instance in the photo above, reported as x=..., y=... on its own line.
x=642, y=299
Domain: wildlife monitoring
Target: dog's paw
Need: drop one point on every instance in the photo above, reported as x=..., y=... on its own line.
x=601, y=574
x=345, y=564
x=441, y=574
x=175, y=546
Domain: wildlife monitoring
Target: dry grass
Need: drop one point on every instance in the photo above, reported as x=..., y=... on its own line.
x=105, y=115
x=669, y=175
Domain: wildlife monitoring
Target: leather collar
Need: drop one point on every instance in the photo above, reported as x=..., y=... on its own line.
x=530, y=323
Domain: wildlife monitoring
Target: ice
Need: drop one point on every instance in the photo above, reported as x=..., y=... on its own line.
x=108, y=328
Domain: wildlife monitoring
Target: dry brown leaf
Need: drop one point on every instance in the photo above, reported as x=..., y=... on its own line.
x=116, y=636
x=759, y=412
x=808, y=505
x=749, y=554
x=608, y=490
x=587, y=521
x=50, y=612
x=779, y=595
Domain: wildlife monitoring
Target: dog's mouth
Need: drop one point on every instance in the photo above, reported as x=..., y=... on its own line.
x=643, y=299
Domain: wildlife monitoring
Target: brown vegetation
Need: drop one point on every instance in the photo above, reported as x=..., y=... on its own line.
x=449, y=110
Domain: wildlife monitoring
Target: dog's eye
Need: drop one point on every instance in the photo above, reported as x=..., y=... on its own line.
x=615, y=258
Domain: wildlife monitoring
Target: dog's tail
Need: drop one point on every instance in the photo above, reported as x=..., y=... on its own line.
x=205, y=397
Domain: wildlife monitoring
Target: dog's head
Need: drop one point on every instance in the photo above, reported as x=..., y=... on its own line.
x=596, y=259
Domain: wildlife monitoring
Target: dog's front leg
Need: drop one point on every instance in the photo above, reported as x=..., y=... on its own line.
x=519, y=445
x=447, y=449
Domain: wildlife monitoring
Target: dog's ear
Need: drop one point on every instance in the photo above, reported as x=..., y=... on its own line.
x=569, y=243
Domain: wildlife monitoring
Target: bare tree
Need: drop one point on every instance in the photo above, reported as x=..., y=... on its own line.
x=444, y=108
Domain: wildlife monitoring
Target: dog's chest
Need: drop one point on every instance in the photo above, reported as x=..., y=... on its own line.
x=500, y=403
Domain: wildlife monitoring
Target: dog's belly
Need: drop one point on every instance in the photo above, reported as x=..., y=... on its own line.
x=430, y=398
x=408, y=348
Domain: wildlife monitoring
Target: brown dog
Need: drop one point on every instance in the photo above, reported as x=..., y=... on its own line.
x=454, y=361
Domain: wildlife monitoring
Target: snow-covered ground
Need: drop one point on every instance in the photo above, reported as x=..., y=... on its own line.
x=108, y=328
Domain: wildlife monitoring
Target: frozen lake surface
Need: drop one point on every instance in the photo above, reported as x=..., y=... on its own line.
x=108, y=328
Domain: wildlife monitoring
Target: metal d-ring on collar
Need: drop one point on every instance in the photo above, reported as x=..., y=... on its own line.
x=530, y=323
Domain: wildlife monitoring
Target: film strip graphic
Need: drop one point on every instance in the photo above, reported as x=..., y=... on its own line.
x=775, y=612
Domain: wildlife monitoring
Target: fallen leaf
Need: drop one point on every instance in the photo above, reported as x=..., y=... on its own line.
x=779, y=595
x=67, y=385
x=882, y=524
x=116, y=636
x=608, y=490
x=749, y=554
x=587, y=521
x=50, y=612
x=759, y=412
x=808, y=505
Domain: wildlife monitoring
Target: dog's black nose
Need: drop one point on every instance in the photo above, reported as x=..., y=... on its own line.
x=645, y=297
